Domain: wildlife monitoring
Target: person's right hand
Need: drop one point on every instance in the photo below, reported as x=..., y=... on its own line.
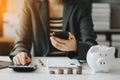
x=21, y=59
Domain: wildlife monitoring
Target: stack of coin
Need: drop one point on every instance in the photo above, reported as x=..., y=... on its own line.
x=69, y=71
x=79, y=70
x=60, y=71
x=52, y=72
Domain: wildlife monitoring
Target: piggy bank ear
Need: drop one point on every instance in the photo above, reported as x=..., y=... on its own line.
x=111, y=51
x=93, y=49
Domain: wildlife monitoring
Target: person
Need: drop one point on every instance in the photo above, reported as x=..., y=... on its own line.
x=39, y=18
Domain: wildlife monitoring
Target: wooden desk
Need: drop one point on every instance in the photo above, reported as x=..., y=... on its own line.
x=42, y=73
x=108, y=34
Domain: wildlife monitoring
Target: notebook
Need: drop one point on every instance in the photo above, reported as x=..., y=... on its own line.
x=62, y=63
x=4, y=64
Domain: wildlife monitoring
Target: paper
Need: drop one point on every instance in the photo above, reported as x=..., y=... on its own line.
x=4, y=64
x=62, y=63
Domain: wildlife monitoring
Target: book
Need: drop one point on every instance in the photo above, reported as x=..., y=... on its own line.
x=101, y=5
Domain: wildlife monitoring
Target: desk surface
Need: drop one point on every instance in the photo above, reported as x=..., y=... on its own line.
x=42, y=74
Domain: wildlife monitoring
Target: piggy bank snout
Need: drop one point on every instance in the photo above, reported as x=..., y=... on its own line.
x=102, y=61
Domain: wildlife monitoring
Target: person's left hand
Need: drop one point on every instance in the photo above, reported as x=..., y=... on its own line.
x=64, y=45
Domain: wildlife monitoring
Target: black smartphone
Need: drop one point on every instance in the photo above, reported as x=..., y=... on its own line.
x=62, y=35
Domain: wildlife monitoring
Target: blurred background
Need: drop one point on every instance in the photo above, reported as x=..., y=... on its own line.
x=105, y=14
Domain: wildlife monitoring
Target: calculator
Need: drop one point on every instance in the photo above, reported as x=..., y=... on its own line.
x=23, y=68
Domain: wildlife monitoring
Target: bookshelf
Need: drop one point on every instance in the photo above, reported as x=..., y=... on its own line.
x=115, y=12
x=101, y=16
x=114, y=20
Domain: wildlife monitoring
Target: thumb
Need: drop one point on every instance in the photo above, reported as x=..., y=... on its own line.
x=28, y=60
x=71, y=36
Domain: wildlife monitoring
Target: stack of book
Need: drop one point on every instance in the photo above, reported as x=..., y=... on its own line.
x=101, y=16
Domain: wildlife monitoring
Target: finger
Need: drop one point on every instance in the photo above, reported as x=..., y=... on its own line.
x=14, y=61
x=23, y=59
x=28, y=60
x=52, y=41
x=20, y=58
x=51, y=38
x=17, y=61
x=59, y=46
x=63, y=41
x=71, y=36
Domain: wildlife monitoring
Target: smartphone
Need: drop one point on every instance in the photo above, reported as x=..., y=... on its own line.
x=62, y=35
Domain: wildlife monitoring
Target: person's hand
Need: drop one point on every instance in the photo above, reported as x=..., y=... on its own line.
x=21, y=59
x=64, y=45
